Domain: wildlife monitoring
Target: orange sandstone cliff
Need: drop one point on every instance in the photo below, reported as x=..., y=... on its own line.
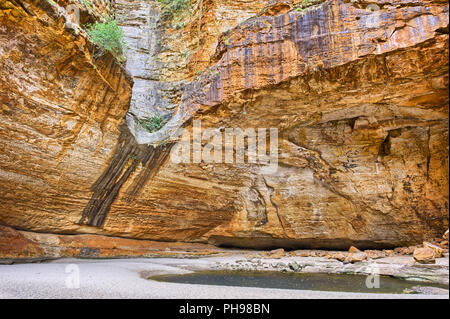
x=357, y=89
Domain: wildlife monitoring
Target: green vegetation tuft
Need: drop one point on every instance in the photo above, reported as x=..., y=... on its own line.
x=107, y=35
x=152, y=124
x=173, y=8
x=306, y=4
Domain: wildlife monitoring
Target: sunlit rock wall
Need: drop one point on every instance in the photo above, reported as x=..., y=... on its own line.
x=360, y=99
x=61, y=104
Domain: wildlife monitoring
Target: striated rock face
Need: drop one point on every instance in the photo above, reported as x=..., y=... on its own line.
x=61, y=105
x=360, y=99
x=143, y=36
x=22, y=246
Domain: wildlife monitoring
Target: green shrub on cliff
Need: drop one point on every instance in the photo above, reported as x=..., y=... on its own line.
x=107, y=35
x=306, y=4
x=172, y=8
x=152, y=124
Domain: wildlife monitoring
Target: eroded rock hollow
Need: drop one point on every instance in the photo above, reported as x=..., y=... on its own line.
x=358, y=91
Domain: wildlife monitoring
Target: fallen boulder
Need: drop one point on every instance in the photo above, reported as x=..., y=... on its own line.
x=356, y=257
x=438, y=251
x=424, y=255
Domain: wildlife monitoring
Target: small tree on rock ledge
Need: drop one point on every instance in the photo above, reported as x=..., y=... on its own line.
x=107, y=35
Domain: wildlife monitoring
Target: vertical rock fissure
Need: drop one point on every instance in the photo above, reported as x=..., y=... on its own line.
x=125, y=160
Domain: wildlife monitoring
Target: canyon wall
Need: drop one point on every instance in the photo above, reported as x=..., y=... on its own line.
x=62, y=104
x=358, y=91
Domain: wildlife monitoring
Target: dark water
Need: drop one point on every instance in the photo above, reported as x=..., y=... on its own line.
x=322, y=282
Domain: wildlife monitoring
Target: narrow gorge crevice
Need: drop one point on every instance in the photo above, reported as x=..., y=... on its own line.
x=139, y=20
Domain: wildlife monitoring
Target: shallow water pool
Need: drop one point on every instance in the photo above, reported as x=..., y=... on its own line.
x=302, y=281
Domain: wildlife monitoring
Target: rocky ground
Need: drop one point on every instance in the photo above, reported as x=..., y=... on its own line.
x=23, y=246
x=428, y=261
x=397, y=266
x=30, y=271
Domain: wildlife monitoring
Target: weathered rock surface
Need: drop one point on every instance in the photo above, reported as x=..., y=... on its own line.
x=150, y=95
x=353, y=250
x=338, y=256
x=355, y=257
x=398, y=266
x=424, y=255
x=21, y=246
x=337, y=177
x=276, y=254
x=61, y=105
x=437, y=251
x=360, y=99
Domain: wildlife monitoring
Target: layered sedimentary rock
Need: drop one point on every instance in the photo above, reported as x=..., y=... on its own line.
x=61, y=107
x=358, y=93
x=22, y=246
